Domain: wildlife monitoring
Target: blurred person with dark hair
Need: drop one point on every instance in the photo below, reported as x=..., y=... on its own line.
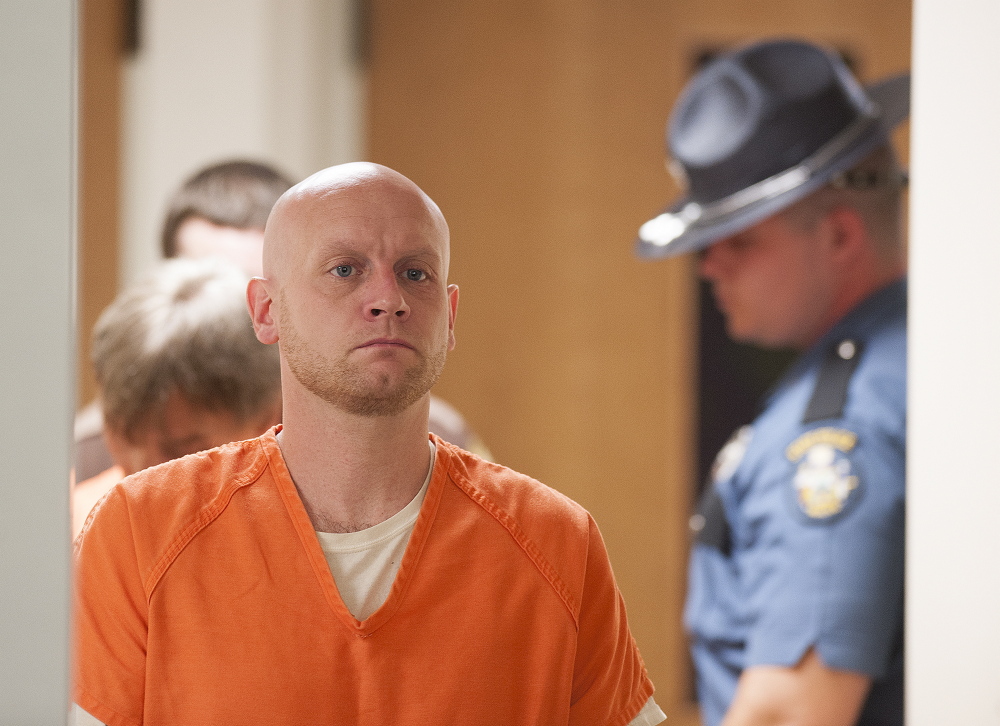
x=221, y=212
x=179, y=370
x=794, y=206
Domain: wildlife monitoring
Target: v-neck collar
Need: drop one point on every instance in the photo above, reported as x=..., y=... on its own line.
x=314, y=552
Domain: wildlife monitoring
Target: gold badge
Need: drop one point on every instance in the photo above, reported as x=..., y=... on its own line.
x=824, y=480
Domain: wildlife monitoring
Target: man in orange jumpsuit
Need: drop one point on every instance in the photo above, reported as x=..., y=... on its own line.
x=347, y=567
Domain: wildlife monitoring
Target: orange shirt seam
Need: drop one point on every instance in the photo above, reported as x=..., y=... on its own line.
x=523, y=541
x=208, y=514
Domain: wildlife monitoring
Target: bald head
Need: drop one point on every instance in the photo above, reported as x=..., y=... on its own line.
x=356, y=191
x=355, y=290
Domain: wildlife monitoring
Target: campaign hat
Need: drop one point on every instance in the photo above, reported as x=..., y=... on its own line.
x=759, y=128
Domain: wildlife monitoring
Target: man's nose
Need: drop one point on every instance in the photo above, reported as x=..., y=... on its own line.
x=386, y=297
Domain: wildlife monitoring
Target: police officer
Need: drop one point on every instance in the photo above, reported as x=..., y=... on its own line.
x=793, y=203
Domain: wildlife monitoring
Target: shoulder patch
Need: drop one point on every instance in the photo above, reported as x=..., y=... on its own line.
x=840, y=439
x=825, y=481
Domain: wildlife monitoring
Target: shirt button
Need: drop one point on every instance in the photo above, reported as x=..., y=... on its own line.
x=847, y=349
x=696, y=523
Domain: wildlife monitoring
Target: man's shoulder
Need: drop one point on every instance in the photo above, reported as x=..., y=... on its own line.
x=156, y=508
x=855, y=376
x=554, y=533
x=549, y=527
x=881, y=324
x=877, y=400
x=197, y=479
x=509, y=495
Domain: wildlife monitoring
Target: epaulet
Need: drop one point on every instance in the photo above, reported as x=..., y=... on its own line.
x=830, y=393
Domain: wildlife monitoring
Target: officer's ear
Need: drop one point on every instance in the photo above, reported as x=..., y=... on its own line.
x=849, y=238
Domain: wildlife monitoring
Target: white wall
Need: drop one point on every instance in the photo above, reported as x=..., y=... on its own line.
x=273, y=80
x=37, y=186
x=953, y=585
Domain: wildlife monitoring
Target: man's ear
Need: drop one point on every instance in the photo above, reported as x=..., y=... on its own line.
x=850, y=237
x=261, y=307
x=452, y=314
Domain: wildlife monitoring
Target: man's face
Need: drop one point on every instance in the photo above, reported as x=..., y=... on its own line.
x=365, y=317
x=773, y=282
x=178, y=429
x=198, y=238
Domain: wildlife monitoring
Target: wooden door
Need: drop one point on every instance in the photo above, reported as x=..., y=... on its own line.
x=102, y=35
x=538, y=128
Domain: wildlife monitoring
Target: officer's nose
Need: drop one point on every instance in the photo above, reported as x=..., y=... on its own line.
x=711, y=261
x=706, y=263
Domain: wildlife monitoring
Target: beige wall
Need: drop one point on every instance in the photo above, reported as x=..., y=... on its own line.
x=101, y=26
x=273, y=80
x=267, y=79
x=538, y=129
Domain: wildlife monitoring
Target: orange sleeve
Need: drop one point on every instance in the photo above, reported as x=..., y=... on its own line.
x=88, y=493
x=610, y=685
x=110, y=617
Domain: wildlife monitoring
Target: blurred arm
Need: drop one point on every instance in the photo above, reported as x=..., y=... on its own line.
x=807, y=694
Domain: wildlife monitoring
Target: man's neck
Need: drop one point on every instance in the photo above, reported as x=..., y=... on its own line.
x=855, y=290
x=353, y=472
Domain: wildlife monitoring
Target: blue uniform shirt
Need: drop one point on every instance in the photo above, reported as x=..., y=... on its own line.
x=800, y=538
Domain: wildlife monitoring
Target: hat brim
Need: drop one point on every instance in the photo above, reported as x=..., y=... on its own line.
x=893, y=98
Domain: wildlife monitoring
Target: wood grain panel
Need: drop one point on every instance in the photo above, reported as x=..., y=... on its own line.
x=101, y=40
x=537, y=126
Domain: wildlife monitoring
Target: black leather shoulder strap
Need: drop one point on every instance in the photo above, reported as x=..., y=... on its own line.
x=710, y=525
x=830, y=393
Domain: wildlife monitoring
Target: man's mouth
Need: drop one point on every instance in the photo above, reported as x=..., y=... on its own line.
x=386, y=343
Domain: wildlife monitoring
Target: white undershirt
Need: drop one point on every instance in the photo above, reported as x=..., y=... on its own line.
x=364, y=564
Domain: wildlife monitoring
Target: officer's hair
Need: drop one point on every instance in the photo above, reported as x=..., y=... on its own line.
x=236, y=194
x=186, y=330
x=874, y=188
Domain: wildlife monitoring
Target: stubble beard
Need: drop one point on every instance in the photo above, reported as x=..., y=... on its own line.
x=355, y=389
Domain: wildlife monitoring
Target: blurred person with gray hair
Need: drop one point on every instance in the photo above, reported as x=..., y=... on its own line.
x=179, y=370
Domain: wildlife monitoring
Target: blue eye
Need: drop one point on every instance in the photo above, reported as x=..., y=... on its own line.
x=415, y=275
x=343, y=270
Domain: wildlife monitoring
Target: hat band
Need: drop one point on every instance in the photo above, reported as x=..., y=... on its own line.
x=667, y=227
